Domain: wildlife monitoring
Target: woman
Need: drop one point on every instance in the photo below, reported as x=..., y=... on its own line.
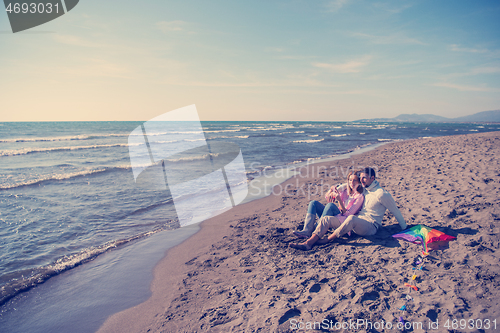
x=350, y=199
x=350, y=202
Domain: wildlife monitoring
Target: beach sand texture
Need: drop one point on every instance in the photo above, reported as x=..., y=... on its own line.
x=237, y=274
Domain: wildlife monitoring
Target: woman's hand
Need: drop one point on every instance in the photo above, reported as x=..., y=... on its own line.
x=341, y=205
x=331, y=195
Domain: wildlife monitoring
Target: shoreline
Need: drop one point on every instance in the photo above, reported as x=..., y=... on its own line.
x=136, y=276
x=204, y=273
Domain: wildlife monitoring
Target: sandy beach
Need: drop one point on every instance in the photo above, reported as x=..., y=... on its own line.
x=237, y=274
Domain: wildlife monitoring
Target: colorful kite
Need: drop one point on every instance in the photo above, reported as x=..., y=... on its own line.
x=431, y=239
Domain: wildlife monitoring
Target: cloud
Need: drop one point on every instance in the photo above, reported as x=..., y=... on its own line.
x=353, y=66
x=251, y=84
x=252, y=80
x=457, y=48
x=485, y=70
x=294, y=57
x=95, y=67
x=172, y=26
x=398, y=38
x=390, y=8
x=335, y=5
x=274, y=49
x=464, y=88
x=475, y=71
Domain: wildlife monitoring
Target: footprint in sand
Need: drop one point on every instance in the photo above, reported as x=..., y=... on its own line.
x=317, y=286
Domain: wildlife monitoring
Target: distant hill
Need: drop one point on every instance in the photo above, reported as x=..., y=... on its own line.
x=484, y=116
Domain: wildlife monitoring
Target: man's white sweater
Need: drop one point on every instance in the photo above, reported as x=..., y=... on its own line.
x=377, y=200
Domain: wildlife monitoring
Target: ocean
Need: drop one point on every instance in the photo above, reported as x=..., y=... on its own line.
x=68, y=197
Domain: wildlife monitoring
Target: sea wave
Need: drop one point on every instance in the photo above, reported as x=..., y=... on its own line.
x=195, y=158
x=63, y=176
x=222, y=131
x=231, y=137
x=263, y=129
x=48, y=139
x=173, y=132
x=339, y=135
x=31, y=278
x=26, y=151
x=64, y=138
x=308, y=141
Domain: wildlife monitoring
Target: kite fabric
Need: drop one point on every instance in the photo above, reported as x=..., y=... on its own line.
x=431, y=239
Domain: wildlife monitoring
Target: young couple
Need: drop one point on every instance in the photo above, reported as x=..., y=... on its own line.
x=362, y=194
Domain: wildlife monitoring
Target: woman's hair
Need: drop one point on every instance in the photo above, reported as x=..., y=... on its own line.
x=359, y=188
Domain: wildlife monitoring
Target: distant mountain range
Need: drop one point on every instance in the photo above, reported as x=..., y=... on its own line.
x=485, y=116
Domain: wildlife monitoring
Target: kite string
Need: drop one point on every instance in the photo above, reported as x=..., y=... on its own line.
x=419, y=262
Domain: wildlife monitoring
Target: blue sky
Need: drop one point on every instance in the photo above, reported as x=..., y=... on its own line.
x=254, y=60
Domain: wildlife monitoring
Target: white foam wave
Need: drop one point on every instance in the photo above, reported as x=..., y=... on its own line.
x=48, y=139
x=159, y=142
x=359, y=126
x=223, y=131
x=62, y=176
x=25, y=151
x=338, y=135
x=308, y=141
x=231, y=137
x=173, y=132
x=194, y=158
x=263, y=129
x=42, y=274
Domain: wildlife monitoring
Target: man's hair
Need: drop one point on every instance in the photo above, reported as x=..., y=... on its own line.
x=369, y=171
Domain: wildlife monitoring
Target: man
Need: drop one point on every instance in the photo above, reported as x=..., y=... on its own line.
x=366, y=223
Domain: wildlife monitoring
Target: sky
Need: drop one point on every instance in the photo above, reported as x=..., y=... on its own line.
x=271, y=60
